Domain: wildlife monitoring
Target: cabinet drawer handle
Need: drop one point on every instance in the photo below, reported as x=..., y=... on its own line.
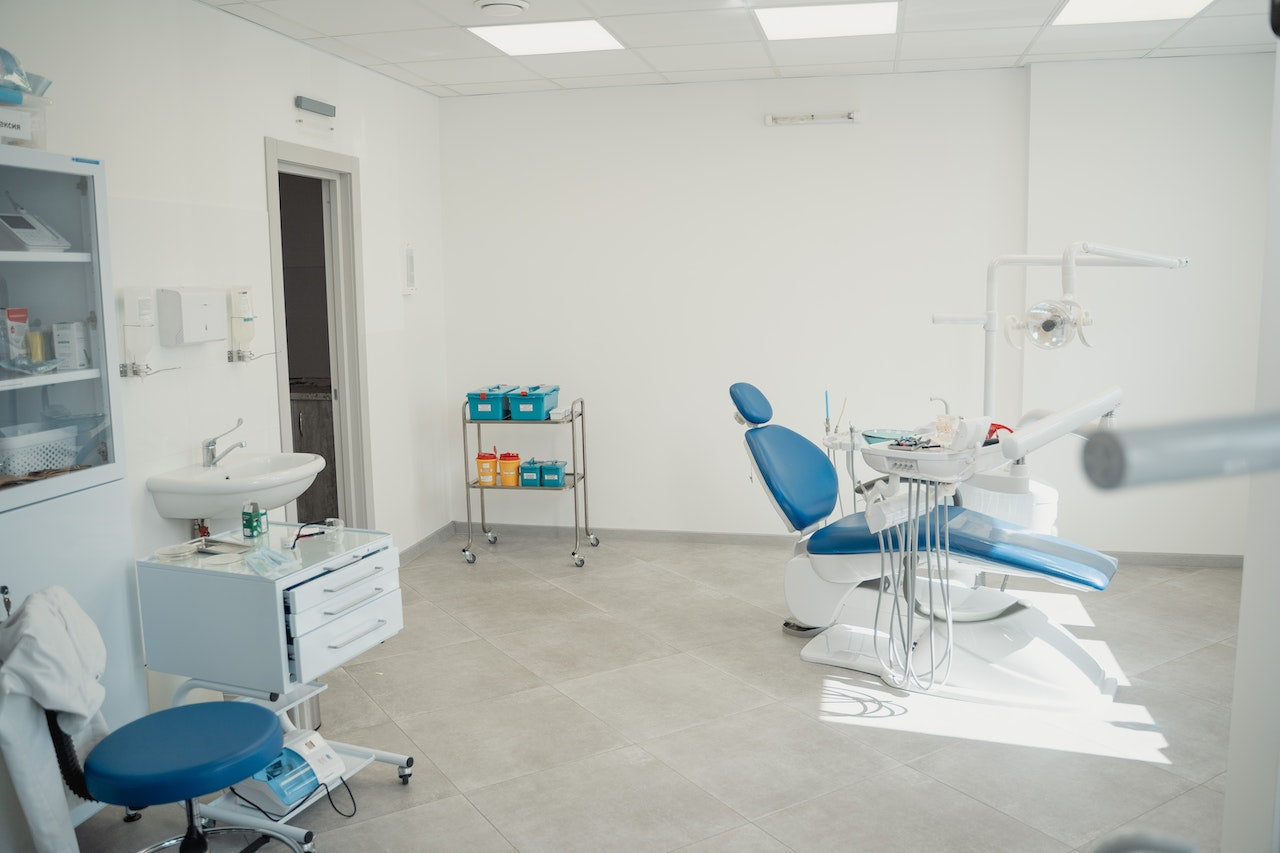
x=353, y=605
x=351, y=640
x=355, y=581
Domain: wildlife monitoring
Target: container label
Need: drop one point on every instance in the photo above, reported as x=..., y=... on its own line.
x=15, y=124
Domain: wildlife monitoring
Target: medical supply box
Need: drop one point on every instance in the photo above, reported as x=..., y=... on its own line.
x=552, y=473
x=533, y=402
x=531, y=473
x=489, y=403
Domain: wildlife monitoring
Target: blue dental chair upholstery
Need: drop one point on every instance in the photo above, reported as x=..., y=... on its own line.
x=801, y=482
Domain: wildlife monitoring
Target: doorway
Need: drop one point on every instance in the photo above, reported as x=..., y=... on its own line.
x=314, y=229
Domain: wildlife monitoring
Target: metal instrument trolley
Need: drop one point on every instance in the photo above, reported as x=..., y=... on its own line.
x=575, y=478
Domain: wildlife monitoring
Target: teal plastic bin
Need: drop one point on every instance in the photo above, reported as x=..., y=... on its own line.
x=533, y=402
x=489, y=403
x=552, y=473
x=531, y=473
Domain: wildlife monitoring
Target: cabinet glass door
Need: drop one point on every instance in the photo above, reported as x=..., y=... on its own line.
x=59, y=418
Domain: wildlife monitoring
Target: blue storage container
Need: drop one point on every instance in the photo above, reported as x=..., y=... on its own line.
x=552, y=473
x=531, y=473
x=533, y=402
x=489, y=403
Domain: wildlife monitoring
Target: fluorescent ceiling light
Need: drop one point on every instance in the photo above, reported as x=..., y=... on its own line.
x=558, y=37
x=1125, y=11
x=817, y=22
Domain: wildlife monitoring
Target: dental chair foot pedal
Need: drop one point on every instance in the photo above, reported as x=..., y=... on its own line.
x=798, y=629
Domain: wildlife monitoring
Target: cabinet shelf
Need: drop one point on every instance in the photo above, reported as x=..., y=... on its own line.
x=45, y=257
x=571, y=480
x=49, y=379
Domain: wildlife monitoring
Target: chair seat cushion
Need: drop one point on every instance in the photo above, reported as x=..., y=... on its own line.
x=182, y=753
x=984, y=539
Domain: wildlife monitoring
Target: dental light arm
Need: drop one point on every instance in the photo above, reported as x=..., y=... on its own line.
x=1058, y=424
x=1222, y=447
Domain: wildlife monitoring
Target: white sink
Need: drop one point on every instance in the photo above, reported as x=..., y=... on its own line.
x=271, y=479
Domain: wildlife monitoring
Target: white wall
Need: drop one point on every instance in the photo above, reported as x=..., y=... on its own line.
x=176, y=98
x=644, y=248
x=1167, y=156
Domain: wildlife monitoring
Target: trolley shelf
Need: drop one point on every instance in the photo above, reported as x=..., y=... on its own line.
x=575, y=480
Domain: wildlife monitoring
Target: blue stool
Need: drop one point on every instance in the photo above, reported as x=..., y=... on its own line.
x=183, y=753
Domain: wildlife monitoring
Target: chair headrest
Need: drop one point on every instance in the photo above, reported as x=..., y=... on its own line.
x=752, y=405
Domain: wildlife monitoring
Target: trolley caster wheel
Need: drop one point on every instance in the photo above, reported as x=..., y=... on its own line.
x=471, y=558
x=594, y=540
x=578, y=561
x=493, y=538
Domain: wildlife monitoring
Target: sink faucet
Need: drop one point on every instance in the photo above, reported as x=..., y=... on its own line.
x=208, y=448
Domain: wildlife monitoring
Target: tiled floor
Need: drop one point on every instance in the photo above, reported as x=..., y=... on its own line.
x=650, y=702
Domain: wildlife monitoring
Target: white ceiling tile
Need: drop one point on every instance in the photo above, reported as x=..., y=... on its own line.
x=491, y=69
x=724, y=74
x=254, y=12
x=837, y=69
x=1084, y=56
x=959, y=64
x=955, y=44
x=343, y=51
x=834, y=51
x=344, y=18
x=439, y=91
x=465, y=14
x=395, y=72
x=641, y=7
x=1214, y=32
x=1233, y=7
x=924, y=15
x=1213, y=51
x=610, y=80
x=1095, y=37
x=587, y=63
x=503, y=88
x=422, y=45
x=703, y=57
x=711, y=27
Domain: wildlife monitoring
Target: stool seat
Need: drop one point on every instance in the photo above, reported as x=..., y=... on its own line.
x=182, y=753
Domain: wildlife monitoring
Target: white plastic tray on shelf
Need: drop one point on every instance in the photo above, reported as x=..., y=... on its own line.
x=31, y=447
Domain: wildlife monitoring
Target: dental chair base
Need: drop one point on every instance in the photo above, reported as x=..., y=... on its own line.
x=1019, y=658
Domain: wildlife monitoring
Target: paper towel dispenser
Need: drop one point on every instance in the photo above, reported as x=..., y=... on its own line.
x=190, y=315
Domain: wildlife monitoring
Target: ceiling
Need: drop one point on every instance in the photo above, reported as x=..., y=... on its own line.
x=424, y=42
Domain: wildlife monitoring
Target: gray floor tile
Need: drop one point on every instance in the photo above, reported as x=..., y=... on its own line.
x=766, y=759
x=491, y=614
x=744, y=839
x=344, y=706
x=657, y=697
x=425, y=627
x=594, y=643
x=903, y=810
x=445, y=826
x=1068, y=796
x=766, y=660
x=1194, y=817
x=499, y=739
x=408, y=684
x=1196, y=730
x=1208, y=674
x=624, y=800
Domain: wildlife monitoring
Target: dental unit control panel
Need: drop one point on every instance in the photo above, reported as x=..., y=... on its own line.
x=306, y=763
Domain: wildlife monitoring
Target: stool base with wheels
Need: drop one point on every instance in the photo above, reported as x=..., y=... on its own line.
x=182, y=753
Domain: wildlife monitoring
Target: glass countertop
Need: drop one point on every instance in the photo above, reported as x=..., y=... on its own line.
x=270, y=556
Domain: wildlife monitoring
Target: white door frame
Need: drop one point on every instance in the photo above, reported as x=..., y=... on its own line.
x=348, y=359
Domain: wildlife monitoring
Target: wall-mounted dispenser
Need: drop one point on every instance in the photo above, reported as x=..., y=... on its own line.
x=190, y=315
x=242, y=325
x=138, y=319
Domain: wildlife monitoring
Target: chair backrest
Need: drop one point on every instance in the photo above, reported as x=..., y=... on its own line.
x=797, y=475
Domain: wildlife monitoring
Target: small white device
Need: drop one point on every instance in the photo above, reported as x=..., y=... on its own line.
x=306, y=763
x=23, y=231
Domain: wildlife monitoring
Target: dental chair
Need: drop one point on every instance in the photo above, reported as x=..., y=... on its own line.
x=51, y=656
x=840, y=588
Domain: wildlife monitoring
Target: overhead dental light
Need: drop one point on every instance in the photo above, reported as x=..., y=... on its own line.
x=1050, y=324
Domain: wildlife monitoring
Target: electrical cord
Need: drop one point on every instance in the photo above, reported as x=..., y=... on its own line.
x=327, y=791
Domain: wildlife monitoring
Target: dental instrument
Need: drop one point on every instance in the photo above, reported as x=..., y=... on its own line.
x=875, y=591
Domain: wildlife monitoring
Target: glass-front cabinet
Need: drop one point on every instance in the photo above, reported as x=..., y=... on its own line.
x=59, y=416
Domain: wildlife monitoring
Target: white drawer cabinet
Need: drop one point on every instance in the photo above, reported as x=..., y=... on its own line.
x=225, y=623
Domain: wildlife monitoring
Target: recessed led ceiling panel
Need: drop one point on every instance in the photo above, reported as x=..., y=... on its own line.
x=816, y=22
x=1124, y=11
x=558, y=37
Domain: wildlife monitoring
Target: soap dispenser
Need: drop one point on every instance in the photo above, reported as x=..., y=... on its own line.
x=242, y=327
